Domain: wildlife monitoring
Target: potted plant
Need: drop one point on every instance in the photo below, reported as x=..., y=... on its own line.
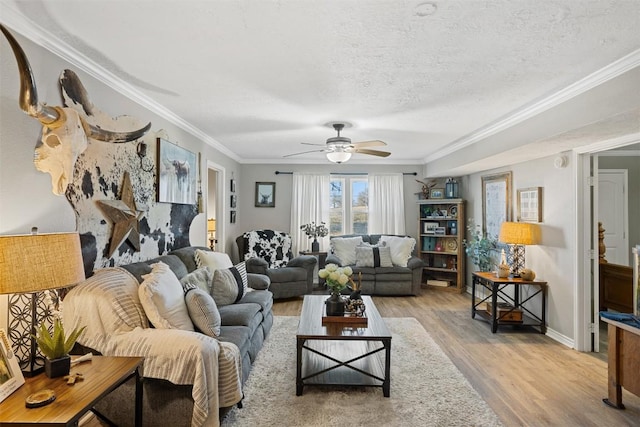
x=314, y=231
x=336, y=279
x=56, y=348
x=480, y=247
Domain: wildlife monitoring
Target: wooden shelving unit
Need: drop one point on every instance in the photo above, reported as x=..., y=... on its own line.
x=441, y=232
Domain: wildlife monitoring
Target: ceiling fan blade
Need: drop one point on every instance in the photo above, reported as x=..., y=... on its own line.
x=304, y=152
x=372, y=143
x=309, y=143
x=371, y=152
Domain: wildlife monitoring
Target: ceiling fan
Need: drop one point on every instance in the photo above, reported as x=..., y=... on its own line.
x=339, y=148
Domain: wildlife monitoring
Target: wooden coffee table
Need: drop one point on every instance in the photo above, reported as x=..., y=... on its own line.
x=339, y=354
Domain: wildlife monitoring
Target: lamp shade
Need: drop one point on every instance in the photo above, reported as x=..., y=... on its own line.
x=37, y=262
x=519, y=233
x=338, y=156
x=211, y=225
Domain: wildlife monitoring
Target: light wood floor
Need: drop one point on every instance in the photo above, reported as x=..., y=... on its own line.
x=527, y=378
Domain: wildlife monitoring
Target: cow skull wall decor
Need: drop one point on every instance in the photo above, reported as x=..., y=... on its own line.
x=65, y=130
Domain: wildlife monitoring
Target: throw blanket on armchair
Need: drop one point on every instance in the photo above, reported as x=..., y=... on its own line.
x=272, y=246
x=107, y=303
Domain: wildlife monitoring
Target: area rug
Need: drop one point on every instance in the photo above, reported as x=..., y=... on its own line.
x=426, y=388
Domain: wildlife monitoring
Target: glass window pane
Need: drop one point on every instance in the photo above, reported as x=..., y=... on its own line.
x=359, y=205
x=336, y=212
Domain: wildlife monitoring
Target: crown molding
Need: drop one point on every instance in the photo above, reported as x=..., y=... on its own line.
x=27, y=28
x=610, y=144
x=611, y=71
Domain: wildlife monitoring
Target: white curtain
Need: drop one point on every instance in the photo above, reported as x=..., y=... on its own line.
x=309, y=203
x=386, y=204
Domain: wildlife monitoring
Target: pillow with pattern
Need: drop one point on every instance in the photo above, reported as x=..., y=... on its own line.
x=229, y=284
x=203, y=311
x=213, y=260
x=200, y=277
x=373, y=256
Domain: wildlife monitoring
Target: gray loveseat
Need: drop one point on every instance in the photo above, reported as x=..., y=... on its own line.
x=245, y=323
x=394, y=280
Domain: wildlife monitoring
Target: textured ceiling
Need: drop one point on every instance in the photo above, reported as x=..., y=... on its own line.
x=260, y=77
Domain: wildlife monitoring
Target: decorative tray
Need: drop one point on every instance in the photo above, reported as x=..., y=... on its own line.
x=347, y=320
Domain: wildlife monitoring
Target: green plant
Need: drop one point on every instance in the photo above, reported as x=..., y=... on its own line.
x=56, y=345
x=480, y=247
x=335, y=277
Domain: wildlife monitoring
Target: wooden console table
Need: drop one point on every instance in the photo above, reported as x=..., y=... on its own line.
x=624, y=361
x=101, y=375
x=497, y=287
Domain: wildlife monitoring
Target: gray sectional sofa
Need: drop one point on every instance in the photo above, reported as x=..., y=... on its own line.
x=245, y=323
x=393, y=280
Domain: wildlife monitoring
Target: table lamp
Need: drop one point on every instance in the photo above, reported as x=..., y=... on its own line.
x=211, y=228
x=29, y=264
x=517, y=235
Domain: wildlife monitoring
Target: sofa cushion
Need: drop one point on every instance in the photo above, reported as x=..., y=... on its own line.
x=203, y=311
x=262, y=298
x=238, y=335
x=373, y=256
x=345, y=248
x=241, y=314
x=230, y=284
x=213, y=260
x=401, y=248
x=200, y=277
x=162, y=298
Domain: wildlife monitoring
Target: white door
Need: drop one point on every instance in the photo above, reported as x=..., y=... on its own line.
x=612, y=213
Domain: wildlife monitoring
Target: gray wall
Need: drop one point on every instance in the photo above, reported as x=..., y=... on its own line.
x=279, y=217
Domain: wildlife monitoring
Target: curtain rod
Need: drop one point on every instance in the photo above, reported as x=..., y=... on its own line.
x=346, y=173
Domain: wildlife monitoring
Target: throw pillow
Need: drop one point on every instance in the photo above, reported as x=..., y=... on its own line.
x=213, y=260
x=345, y=248
x=200, y=277
x=401, y=248
x=229, y=284
x=373, y=256
x=203, y=312
x=162, y=298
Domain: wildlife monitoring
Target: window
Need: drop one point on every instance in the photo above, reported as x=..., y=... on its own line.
x=349, y=209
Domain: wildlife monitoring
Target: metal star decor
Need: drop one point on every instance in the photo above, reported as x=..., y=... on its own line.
x=125, y=217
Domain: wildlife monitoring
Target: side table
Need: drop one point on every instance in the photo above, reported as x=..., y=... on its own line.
x=322, y=258
x=101, y=375
x=498, y=287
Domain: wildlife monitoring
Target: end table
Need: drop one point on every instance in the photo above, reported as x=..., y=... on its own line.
x=101, y=376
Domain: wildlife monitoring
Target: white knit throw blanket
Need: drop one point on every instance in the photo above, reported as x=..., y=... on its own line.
x=107, y=304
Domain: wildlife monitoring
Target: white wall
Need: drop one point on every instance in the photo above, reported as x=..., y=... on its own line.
x=553, y=259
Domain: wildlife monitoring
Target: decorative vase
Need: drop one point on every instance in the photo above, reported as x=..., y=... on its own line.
x=503, y=271
x=355, y=295
x=315, y=245
x=57, y=367
x=335, y=305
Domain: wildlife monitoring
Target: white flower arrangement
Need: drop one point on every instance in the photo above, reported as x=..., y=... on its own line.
x=336, y=277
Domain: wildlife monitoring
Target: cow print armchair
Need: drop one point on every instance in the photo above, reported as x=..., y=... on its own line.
x=269, y=252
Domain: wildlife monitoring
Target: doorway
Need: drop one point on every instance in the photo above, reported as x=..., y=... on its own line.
x=589, y=336
x=215, y=206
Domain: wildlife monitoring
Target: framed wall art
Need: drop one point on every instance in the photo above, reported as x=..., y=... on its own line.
x=496, y=202
x=529, y=203
x=232, y=217
x=436, y=193
x=232, y=185
x=265, y=194
x=11, y=377
x=177, y=172
x=233, y=202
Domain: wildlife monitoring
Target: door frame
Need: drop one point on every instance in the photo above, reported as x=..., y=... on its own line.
x=585, y=284
x=221, y=198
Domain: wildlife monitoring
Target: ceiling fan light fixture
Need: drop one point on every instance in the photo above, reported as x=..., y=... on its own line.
x=338, y=156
